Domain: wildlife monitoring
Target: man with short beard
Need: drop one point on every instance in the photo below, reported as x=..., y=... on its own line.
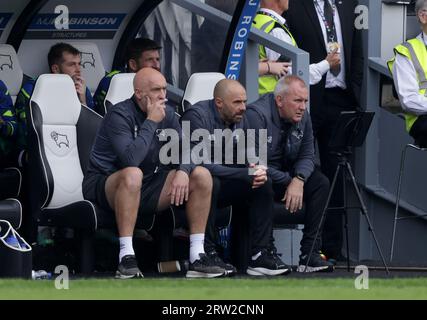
x=232, y=182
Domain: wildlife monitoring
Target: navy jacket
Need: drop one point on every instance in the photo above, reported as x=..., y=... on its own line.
x=290, y=147
x=204, y=115
x=126, y=138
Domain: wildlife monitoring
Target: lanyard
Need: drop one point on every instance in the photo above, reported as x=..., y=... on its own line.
x=329, y=29
x=273, y=17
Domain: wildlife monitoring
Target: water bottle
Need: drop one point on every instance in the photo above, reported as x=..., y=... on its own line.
x=41, y=275
x=173, y=266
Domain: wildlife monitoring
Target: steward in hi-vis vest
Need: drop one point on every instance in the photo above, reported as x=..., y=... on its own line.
x=267, y=22
x=415, y=51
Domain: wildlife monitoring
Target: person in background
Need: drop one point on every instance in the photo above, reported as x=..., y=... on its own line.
x=62, y=58
x=331, y=28
x=273, y=65
x=409, y=68
x=8, y=129
x=140, y=53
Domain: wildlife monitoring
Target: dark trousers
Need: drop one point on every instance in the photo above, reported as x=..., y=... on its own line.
x=258, y=212
x=324, y=118
x=419, y=131
x=316, y=190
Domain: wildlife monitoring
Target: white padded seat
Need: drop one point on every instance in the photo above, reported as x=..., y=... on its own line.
x=93, y=69
x=60, y=110
x=200, y=86
x=121, y=88
x=60, y=138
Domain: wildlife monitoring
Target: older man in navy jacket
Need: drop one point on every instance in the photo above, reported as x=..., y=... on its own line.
x=290, y=151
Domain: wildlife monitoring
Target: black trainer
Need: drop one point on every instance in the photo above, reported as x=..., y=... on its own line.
x=205, y=267
x=315, y=264
x=229, y=268
x=267, y=264
x=277, y=257
x=128, y=268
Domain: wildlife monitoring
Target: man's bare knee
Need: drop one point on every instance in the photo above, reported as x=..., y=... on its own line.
x=131, y=179
x=200, y=178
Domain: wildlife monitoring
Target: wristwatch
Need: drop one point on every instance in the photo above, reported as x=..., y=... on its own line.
x=300, y=176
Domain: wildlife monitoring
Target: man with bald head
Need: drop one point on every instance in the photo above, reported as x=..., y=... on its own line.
x=127, y=178
x=233, y=183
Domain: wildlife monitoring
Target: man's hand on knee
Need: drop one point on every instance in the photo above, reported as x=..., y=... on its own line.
x=179, y=188
x=294, y=195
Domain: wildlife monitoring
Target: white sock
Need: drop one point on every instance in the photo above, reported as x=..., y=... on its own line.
x=196, y=246
x=126, y=247
x=256, y=256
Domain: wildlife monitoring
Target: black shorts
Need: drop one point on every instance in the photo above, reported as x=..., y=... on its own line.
x=152, y=185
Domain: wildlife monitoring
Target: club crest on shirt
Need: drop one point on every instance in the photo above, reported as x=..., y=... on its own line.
x=161, y=134
x=298, y=134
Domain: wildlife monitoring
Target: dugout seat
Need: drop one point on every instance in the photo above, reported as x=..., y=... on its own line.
x=61, y=133
x=10, y=186
x=93, y=69
x=200, y=86
x=121, y=88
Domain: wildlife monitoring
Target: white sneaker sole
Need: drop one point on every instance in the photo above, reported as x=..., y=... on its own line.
x=197, y=274
x=123, y=276
x=229, y=273
x=301, y=268
x=265, y=272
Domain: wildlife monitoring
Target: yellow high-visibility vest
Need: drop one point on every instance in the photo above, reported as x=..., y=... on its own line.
x=266, y=23
x=415, y=50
